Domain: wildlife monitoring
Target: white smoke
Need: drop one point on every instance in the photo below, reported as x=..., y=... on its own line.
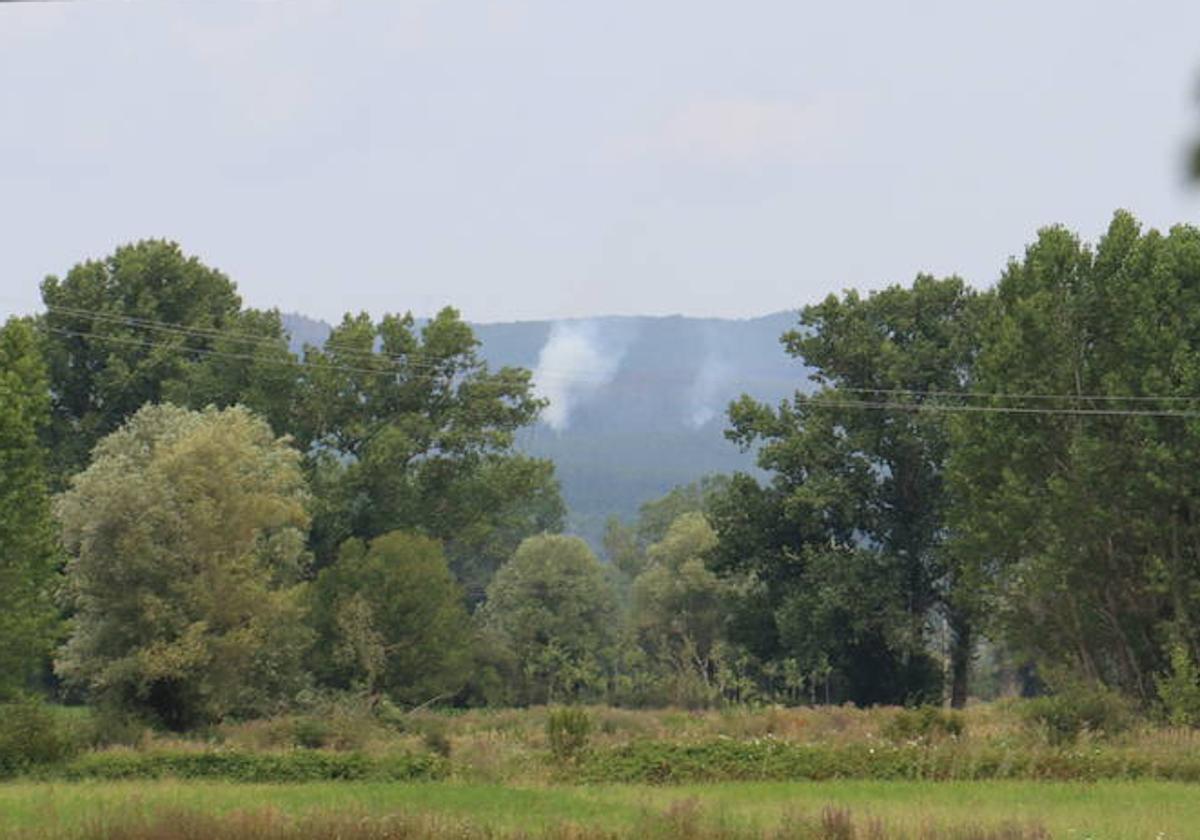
x=710, y=391
x=573, y=365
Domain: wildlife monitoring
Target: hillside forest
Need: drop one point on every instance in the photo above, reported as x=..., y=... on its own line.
x=976, y=490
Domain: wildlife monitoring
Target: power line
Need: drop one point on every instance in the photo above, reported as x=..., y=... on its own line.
x=996, y=409
x=214, y=333
x=808, y=401
x=415, y=360
x=419, y=360
x=984, y=395
x=291, y=361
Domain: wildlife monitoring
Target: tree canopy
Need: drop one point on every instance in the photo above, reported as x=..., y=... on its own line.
x=28, y=555
x=407, y=429
x=146, y=324
x=186, y=537
x=553, y=606
x=845, y=539
x=390, y=619
x=1080, y=518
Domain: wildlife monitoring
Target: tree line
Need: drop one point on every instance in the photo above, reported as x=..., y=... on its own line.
x=197, y=524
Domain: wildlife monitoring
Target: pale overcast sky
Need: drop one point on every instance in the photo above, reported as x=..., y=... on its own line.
x=549, y=159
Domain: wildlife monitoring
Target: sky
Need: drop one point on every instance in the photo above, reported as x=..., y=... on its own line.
x=545, y=160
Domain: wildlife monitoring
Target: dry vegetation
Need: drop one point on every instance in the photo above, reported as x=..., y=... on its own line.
x=683, y=821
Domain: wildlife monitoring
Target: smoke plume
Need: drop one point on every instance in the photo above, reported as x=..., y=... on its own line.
x=709, y=392
x=574, y=364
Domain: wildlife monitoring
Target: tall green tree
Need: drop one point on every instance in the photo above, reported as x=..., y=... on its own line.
x=28, y=556
x=186, y=537
x=681, y=609
x=147, y=324
x=410, y=430
x=848, y=537
x=390, y=619
x=554, y=608
x=1081, y=511
x=625, y=546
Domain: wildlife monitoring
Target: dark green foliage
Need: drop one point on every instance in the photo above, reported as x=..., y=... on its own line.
x=110, y=726
x=310, y=733
x=233, y=766
x=30, y=737
x=1075, y=709
x=1179, y=690
x=146, y=324
x=407, y=429
x=567, y=731
x=659, y=762
x=847, y=536
x=28, y=550
x=1083, y=530
x=389, y=618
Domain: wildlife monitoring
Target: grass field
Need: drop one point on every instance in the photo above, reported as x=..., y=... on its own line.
x=1106, y=810
x=346, y=774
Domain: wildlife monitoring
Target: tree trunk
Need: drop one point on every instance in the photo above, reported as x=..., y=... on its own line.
x=962, y=647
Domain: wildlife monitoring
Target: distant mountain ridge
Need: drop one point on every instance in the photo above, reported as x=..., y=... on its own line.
x=637, y=402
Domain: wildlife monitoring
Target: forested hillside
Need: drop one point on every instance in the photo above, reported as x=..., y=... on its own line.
x=643, y=399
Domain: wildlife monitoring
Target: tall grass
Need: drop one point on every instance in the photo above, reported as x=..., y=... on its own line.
x=514, y=746
x=683, y=821
x=1099, y=811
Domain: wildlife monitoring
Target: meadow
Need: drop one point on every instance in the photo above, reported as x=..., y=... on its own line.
x=992, y=772
x=166, y=809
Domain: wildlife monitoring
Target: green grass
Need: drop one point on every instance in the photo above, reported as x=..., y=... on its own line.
x=1101, y=811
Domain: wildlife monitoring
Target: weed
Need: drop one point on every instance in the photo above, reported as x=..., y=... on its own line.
x=567, y=731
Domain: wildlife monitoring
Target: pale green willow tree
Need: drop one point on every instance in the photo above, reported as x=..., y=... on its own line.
x=27, y=548
x=554, y=609
x=186, y=537
x=681, y=608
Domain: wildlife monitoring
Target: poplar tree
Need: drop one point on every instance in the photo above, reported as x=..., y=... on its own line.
x=28, y=555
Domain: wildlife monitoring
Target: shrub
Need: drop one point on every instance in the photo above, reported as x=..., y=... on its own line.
x=235, y=766
x=1074, y=709
x=567, y=730
x=30, y=736
x=310, y=733
x=435, y=736
x=1180, y=690
x=115, y=727
x=925, y=724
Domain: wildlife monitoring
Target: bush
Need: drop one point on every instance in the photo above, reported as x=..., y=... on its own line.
x=30, y=736
x=235, y=766
x=924, y=724
x=310, y=733
x=1180, y=690
x=114, y=727
x=435, y=735
x=1075, y=709
x=567, y=731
